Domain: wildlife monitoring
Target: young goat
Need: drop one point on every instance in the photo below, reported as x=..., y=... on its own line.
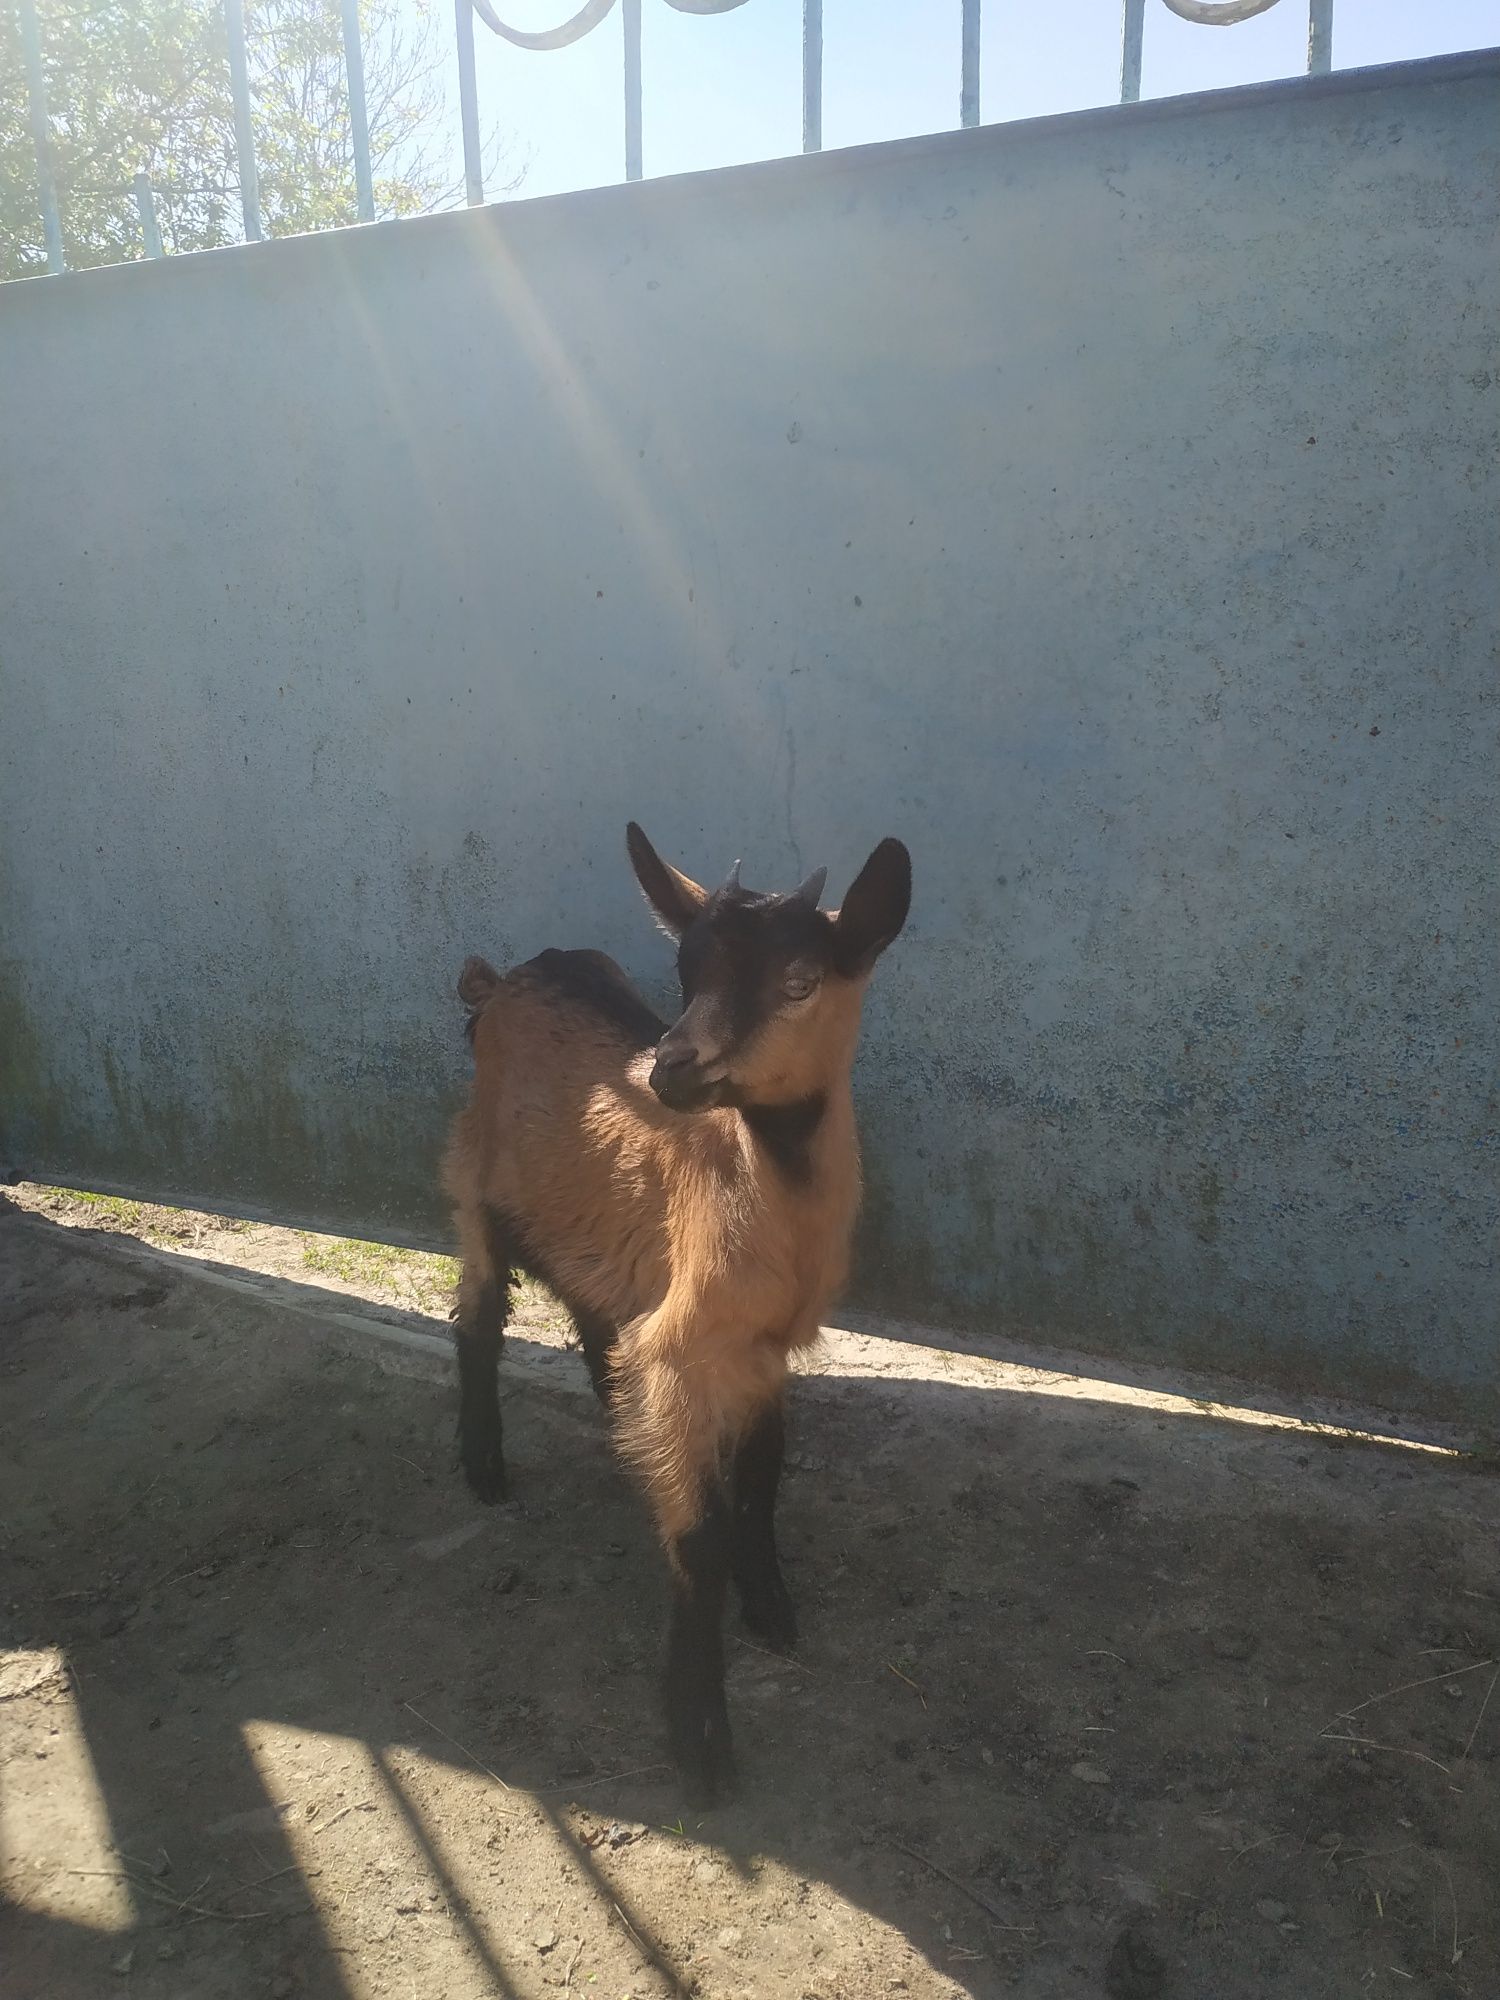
x=688, y=1194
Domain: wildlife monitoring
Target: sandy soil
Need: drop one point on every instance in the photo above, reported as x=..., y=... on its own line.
x=1099, y=1694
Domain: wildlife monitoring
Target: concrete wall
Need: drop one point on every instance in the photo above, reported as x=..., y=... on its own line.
x=1107, y=506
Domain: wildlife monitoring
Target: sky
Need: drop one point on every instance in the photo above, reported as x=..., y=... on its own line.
x=718, y=90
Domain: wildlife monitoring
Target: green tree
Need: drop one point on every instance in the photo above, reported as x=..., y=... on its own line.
x=142, y=86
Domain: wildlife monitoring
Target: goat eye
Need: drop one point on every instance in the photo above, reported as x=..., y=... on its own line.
x=799, y=987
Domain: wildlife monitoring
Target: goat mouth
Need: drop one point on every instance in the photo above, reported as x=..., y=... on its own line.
x=687, y=1093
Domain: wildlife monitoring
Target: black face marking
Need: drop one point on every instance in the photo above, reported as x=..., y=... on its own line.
x=786, y=1131
x=580, y=976
x=735, y=959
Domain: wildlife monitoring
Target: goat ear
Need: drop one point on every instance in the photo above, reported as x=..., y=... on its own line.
x=874, y=909
x=675, y=897
x=477, y=982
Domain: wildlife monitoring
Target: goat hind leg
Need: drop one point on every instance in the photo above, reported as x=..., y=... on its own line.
x=483, y=1308
x=597, y=1337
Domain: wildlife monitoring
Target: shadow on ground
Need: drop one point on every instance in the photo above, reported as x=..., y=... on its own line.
x=1092, y=1700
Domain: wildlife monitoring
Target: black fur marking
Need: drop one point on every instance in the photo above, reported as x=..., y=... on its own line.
x=518, y=1253
x=786, y=1131
x=478, y=1340
x=502, y=1240
x=597, y=1337
x=595, y=1333
x=734, y=957
x=580, y=976
x=764, y=1597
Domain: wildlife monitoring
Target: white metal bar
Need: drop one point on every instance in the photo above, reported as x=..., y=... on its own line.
x=1132, y=34
x=1319, y=37
x=968, y=92
x=145, y=202
x=812, y=76
x=359, y=123
x=468, y=103
x=631, y=10
x=244, y=136
x=41, y=136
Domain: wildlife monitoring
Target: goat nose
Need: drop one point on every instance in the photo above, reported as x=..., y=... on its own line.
x=675, y=1055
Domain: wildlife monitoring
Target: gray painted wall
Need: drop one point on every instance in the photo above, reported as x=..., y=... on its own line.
x=1107, y=506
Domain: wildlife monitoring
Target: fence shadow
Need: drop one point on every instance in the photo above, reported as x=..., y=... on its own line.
x=1082, y=1695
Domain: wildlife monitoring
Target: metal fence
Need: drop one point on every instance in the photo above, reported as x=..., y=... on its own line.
x=591, y=15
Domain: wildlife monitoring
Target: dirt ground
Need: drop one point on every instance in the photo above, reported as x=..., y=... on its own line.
x=1099, y=1695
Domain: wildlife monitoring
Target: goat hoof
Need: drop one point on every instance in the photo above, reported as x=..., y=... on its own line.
x=772, y=1617
x=704, y=1751
x=709, y=1776
x=484, y=1468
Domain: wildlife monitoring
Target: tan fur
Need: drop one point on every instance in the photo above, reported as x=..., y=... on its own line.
x=677, y=1228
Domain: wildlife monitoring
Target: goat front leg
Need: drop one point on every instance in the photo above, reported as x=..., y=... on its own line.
x=673, y=1426
x=764, y=1598
x=697, y=1716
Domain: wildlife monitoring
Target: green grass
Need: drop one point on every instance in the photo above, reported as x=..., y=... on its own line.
x=415, y=1277
x=110, y=1207
x=147, y=1219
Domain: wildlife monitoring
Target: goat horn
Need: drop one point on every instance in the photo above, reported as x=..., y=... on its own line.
x=732, y=882
x=812, y=888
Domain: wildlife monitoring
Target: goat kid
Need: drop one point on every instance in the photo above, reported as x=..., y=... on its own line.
x=688, y=1194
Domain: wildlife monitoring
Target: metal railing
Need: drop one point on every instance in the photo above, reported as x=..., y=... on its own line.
x=588, y=17
x=593, y=13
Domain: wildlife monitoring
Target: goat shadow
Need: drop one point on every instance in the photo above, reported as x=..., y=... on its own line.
x=1060, y=1722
